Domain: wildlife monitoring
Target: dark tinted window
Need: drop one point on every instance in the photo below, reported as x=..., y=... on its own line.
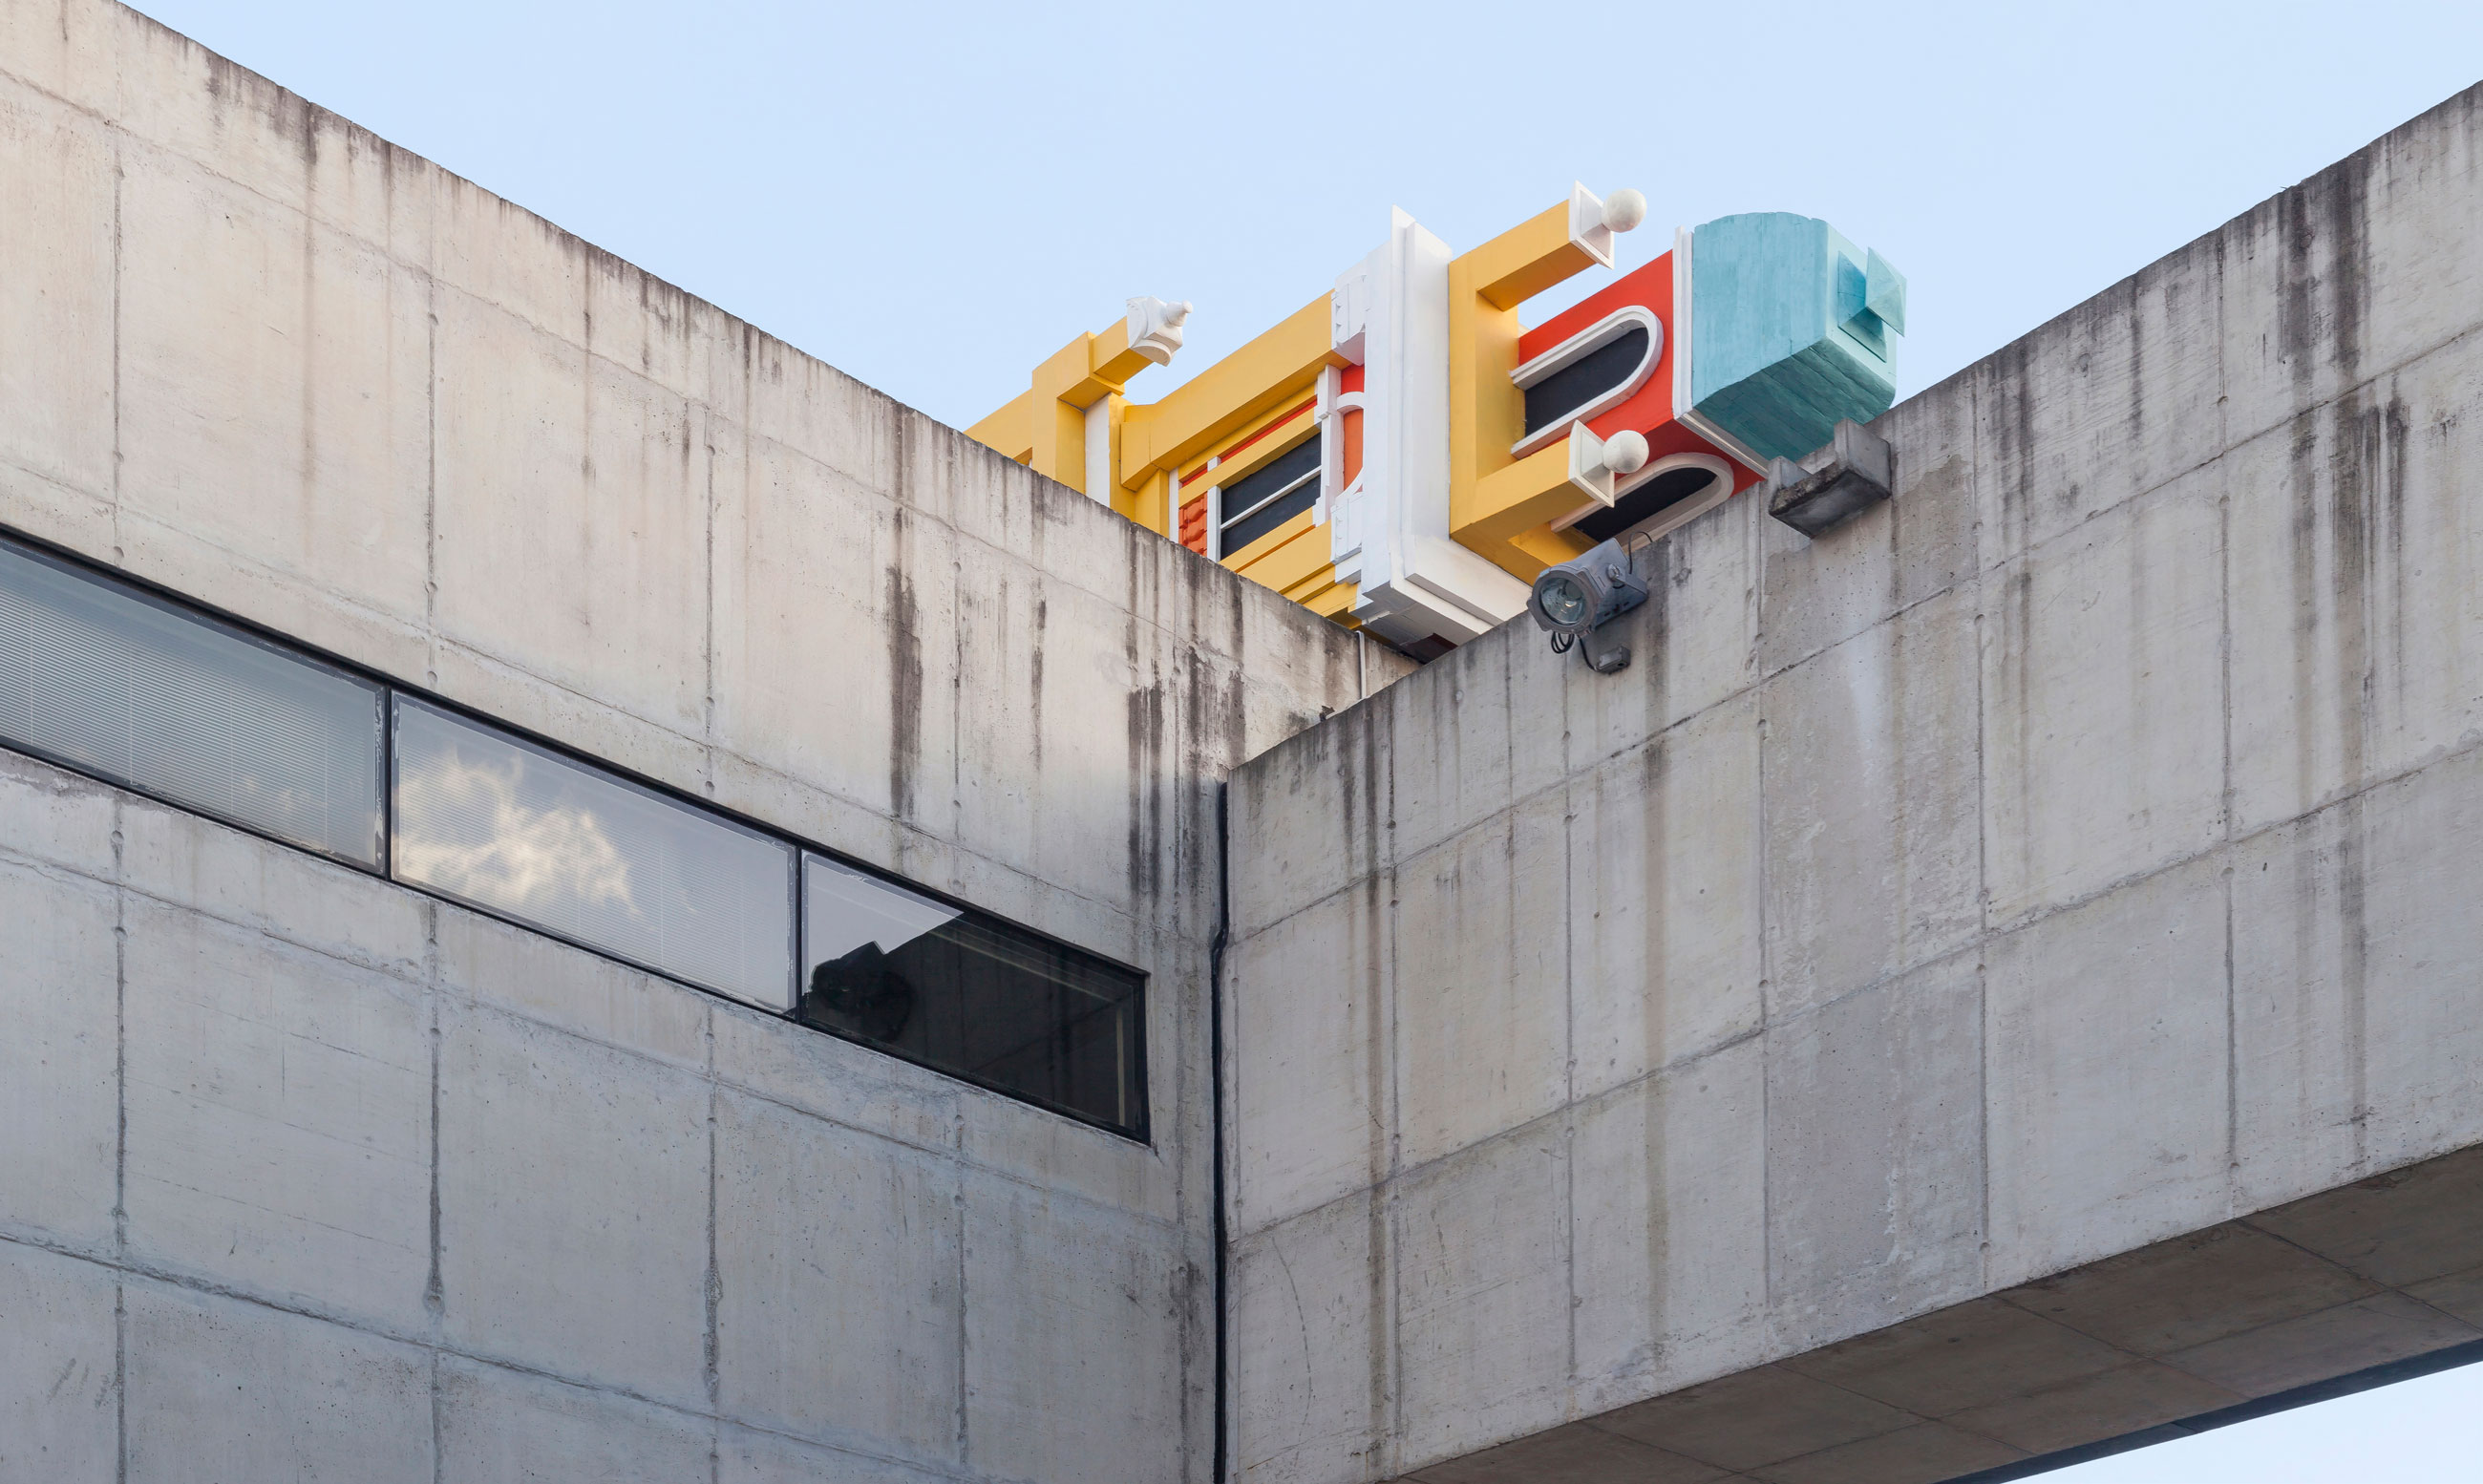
x=1665, y=489
x=1272, y=494
x=104, y=679
x=971, y=995
x=1582, y=381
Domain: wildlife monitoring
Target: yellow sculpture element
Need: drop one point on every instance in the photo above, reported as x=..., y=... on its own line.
x=1499, y=505
x=1045, y=428
x=1261, y=401
x=1222, y=403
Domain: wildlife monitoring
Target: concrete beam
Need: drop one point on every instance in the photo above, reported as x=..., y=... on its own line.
x=2170, y=1340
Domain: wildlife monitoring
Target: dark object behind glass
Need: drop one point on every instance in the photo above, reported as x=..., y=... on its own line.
x=972, y=995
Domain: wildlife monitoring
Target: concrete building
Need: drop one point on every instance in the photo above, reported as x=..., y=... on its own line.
x=305, y=1174
x=1998, y=978
x=1994, y=980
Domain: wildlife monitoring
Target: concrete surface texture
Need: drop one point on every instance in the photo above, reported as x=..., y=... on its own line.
x=302, y=1176
x=1884, y=1033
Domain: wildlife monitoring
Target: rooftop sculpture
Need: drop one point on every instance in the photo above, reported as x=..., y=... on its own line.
x=1404, y=456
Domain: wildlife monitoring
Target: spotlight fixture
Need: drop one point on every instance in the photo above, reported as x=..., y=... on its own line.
x=1574, y=600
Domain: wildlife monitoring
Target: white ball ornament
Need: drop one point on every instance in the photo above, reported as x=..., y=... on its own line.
x=1625, y=452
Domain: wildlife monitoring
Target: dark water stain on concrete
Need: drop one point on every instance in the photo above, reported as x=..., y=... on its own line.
x=1146, y=731
x=904, y=620
x=2323, y=289
x=2011, y=430
x=1034, y=677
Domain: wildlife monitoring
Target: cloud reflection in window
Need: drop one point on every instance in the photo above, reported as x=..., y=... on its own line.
x=490, y=819
x=526, y=856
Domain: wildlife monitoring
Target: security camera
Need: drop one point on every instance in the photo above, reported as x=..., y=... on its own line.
x=1579, y=596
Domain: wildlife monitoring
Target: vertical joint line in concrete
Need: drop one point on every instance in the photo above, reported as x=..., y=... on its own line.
x=121, y=1102
x=713, y=1287
x=2225, y=803
x=1983, y=1115
x=1218, y=1467
x=1568, y=1011
x=2232, y=1049
x=965, y=1236
x=1767, y=986
x=119, y=188
x=2224, y=654
x=434, y=1291
x=120, y=1038
x=431, y=483
x=1982, y=856
x=438, y=1464
x=1383, y=753
x=121, y=1380
x=704, y=435
x=1982, y=701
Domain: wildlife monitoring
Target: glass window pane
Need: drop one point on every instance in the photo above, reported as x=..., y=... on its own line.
x=102, y=678
x=518, y=830
x=971, y=995
x=1252, y=489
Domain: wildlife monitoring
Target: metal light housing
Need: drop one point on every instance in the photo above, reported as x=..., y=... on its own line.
x=1575, y=598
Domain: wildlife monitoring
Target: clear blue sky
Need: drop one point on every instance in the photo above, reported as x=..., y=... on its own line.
x=936, y=197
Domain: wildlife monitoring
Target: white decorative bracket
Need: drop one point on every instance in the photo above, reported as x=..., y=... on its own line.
x=1155, y=327
x=1597, y=464
x=1593, y=219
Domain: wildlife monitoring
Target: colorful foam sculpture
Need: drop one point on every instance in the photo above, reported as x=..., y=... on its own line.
x=1403, y=455
x=1791, y=330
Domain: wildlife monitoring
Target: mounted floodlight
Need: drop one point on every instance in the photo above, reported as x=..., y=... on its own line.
x=1574, y=600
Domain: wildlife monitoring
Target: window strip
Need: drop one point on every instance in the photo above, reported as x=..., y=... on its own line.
x=1112, y=1097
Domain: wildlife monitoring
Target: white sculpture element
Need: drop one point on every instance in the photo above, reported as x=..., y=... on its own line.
x=1593, y=219
x=1597, y=466
x=1155, y=327
x=1625, y=452
x=1388, y=530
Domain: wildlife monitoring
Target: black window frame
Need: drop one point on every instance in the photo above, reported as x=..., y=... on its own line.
x=389, y=688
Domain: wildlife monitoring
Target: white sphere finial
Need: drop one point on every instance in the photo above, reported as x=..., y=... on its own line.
x=1624, y=210
x=1625, y=452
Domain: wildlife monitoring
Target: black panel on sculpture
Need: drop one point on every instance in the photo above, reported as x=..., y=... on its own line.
x=1271, y=494
x=1660, y=493
x=1555, y=398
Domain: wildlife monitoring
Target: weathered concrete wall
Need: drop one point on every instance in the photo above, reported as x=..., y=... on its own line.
x=303, y=1175
x=2071, y=855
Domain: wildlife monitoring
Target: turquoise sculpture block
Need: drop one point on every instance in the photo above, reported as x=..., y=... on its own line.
x=1791, y=330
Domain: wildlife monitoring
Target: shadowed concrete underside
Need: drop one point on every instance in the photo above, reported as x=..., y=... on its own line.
x=2369, y=1282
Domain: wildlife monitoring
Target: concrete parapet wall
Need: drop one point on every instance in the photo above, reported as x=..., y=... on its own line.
x=307, y=1177
x=2071, y=855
